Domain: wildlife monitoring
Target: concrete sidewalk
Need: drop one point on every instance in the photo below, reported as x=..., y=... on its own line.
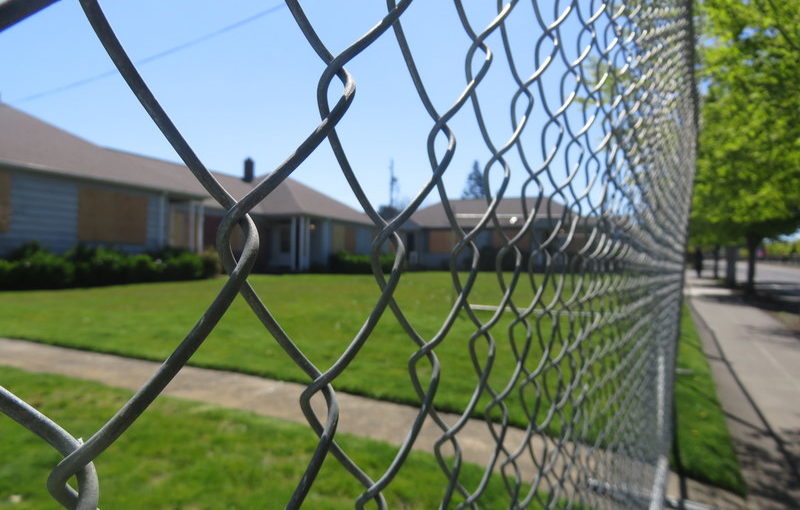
x=360, y=416
x=756, y=365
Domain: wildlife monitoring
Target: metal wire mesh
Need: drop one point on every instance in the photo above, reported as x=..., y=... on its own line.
x=593, y=341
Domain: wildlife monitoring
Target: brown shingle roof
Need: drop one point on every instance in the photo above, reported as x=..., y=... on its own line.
x=29, y=143
x=292, y=195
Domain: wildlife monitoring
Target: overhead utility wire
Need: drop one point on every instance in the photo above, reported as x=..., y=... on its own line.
x=156, y=56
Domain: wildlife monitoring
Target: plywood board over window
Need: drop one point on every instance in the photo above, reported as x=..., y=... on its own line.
x=111, y=216
x=441, y=241
x=343, y=238
x=524, y=243
x=350, y=239
x=5, y=201
x=179, y=229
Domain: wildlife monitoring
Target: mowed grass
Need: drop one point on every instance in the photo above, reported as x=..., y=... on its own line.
x=184, y=455
x=322, y=314
x=703, y=440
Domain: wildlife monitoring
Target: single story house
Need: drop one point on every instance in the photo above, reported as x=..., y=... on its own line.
x=430, y=236
x=61, y=190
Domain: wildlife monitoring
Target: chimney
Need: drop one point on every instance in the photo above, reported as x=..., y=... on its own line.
x=248, y=170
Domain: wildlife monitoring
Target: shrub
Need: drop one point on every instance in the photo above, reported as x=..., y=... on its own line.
x=81, y=253
x=97, y=266
x=32, y=267
x=25, y=250
x=212, y=265
x=40, y=270
x=142, y=268
x=350, y=263
x=7, y=274
x=108, y=268
x=186, y=266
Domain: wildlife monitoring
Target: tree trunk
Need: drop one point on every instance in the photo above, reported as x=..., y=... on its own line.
x=753, y=241
x=716, y=261
x=731, y=254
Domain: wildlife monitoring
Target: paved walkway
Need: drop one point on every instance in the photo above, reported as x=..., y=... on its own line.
x=756, y=364
x=360, y=416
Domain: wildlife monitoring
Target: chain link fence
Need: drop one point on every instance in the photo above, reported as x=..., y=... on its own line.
x=588, y=272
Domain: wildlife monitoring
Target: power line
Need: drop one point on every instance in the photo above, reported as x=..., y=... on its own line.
x=156, y=56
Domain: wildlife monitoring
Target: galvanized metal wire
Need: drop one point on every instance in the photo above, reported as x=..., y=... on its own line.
x=594, y=355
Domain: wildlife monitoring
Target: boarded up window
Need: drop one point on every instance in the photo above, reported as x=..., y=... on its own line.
x=350, y=239
x=5, y=201
x=343, y=238
x=440, y=241
x=179, y=229
x=210, y=226
x=111, y=216
x=524, y=243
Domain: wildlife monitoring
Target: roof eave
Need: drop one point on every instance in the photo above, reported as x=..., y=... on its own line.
x=29, y=167
x=288, y=214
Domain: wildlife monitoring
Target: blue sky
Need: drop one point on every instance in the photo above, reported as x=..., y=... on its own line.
x=250, y=92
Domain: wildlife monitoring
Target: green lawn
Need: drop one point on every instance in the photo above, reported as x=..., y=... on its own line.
x=705, y=445
x=184, y=455
x=322, y=313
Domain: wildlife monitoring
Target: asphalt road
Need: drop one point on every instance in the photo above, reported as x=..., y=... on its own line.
x=782, y=281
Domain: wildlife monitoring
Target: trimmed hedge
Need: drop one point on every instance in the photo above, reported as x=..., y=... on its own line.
x=38, y=270
x=350, y=263
x=32, y=267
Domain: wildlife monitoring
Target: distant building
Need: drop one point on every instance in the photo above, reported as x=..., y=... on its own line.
x=430, y=234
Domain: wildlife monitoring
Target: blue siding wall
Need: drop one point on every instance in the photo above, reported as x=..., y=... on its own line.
x=45, y=209
x=363, y=239
x=153, y=227
x=42, y=209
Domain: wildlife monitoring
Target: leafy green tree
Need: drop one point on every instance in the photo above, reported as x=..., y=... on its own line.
x=783, y=248
x=748, y=172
